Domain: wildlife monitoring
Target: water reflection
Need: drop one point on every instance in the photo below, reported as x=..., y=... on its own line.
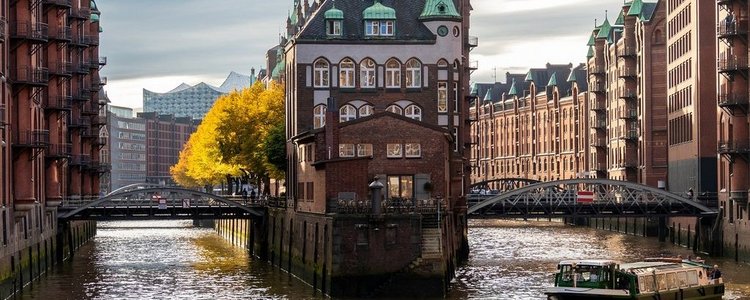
x=173, y=260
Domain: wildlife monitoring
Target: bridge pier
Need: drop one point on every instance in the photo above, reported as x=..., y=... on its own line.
x=661, y=229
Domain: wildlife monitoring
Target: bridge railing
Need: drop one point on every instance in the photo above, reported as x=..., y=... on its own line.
x=387, y=206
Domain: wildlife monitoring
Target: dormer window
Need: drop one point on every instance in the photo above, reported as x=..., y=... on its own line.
x=379, y=28
x=333, y=27
x=379, y=20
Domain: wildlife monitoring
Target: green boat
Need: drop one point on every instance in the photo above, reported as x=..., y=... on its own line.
x=650, y=279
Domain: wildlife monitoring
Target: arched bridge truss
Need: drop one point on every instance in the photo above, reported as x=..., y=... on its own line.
x=482, y=190
x=584, y=197
x=153, y=202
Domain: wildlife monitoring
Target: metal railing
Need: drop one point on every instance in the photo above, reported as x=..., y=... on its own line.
x=732, y=63
x=63, y=103
x=733, y=147
x=59, y=150
x=80, y=12
x=79, y=160
x=30, y=75
x=728, y=29
x=732, y=99
x=64, y=33
x=62, y=3
x=388, y=206
x=60, y=68
x=33, y=31
x=473, y=41
x=627, y=51
x=34, y=138
x=597, y=105
x=80, y=122
x=627, y=72
x=596, y=70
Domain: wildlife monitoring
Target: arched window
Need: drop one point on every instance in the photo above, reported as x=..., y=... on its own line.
x=347, y=113
x=395, y=109
x=413, y=73
x=365, y=110
x=442, y=63
x=321, y=73
x=367, y=73
x=414, y=112
x=392, y=74
x=346, y=73
x=319, y=116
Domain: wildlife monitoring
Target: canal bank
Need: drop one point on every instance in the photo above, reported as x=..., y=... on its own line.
x=33, y=243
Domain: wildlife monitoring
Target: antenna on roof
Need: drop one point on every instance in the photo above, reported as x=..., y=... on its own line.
x=605, y=14
x=594, y=22
x=494, y=75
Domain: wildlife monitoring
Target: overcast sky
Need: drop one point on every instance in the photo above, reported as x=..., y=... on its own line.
x=158, y=44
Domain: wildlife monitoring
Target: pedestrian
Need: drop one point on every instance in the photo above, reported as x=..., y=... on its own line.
x=244, y=195
x=715, y=273
x=690, y=193
x=252, y=195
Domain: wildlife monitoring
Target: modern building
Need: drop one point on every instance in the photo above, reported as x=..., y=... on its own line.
x=121, y=111
x=193, y=101
x=376, y=97
x=733, y=135
x=50, y=117
x=127, y=148
x=533, y=126
x=165, y=136
x=628, y=109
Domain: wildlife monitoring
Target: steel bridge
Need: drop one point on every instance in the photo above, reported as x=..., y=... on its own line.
x=583, y=197
x=154, y=202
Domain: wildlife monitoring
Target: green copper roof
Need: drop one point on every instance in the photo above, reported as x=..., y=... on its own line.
x=591, y=52
x=592, y=40
x=529, y=76
x=620, y=19
x=94, y=18
x=552, y=80
x=635, y=8
x=488, y=96
x=513, y=91
x=474, y=89
x=334, y=13
x=101, y=29
x=379, y=11
x=439, y=9
x=572, y=76
x=604, y=30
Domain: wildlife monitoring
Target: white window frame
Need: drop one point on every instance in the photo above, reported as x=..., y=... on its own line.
x=319, y=116
x=367, y=73
x=386, y=28
x=392, y=73
x=346, y=150
x=365, y=110
x=455, y=139
x=413, y=73
x=394, y=151
x=395, y=109
x=455, y=97
x=372, y=28
x=333, y=27
x=346, y=73
x=412, y=150
x=442, y=97
x=414, y=112
x=364, y=150
x=347, y=113
x=321, y=71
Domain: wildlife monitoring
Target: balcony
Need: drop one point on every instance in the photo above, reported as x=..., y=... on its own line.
x=99, y=120
x=59, y=103
x=32, y=139
x=80, y=122
x=599, y=167
x=103, y=61
x=597, y=70
x=81, y=95
x=30, y=75
x=627, y=72
x=473, y=42
x=89, y=133
x=473, y=65
x=628, y=114
x=81, y=68
x=58, y=3
x=599, y=142
x=35, y=32
x=99, y=141
x=79, y=160
x=63, y=34
x=727, y=30
x=78, y=41
x=734, y=147
x=90, y=110
x=57, y=151
x=598, y=88
x=626, y=51
x=598, y=105
x=61, y=68
x=91, y=40
x=733, y=101
x=599, y=124
x=80, y=13
x=732, y=64
x=630, y=135
x=627, y=94
x=99, y=167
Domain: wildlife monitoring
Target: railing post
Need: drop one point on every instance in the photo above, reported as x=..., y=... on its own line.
x=376, y=187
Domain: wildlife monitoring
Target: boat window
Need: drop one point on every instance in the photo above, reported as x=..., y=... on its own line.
x=682, y=279
x=588, y=273
x=692, y=278
x=567, y=273
x=646, y=283
x=661, y=281
x=671, y=280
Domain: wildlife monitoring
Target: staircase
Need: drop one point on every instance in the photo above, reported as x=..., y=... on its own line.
x=431, y=237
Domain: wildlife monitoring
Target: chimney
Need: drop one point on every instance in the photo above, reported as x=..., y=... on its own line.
x=332, y=129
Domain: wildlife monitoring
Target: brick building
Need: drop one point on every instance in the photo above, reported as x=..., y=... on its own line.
x=533, y=126
x=127, y=148
x=50, y=117
x=376, y=90
x=165, y=137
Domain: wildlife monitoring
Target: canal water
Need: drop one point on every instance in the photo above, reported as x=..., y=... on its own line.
x=174, y=260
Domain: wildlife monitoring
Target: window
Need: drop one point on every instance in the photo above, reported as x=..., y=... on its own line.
x=442, y=63
x=379, y=28
x=372, y=28
x=347, y=113
x=401, y=187
x=455, y=139
x=386, y=28
x=346, y=150
x=346, y=73
x=413, y=150
x=395, y=109
x=392, y=74
x=367, y=73
x=333, y=27
x=455, y=97
x=364, y=150
x=414, y=112
x=321, y=73
x=365, y=110
x=442, y=97
x=319, y=116
x=394, y=150
x=413, y=73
